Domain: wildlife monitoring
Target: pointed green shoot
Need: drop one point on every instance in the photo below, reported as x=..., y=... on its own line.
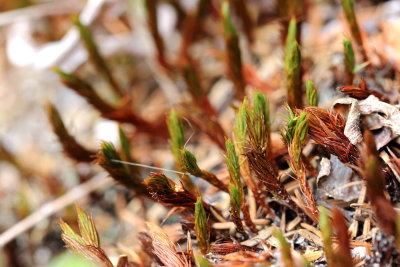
x=241, y=126
x=95, y=56
x=261, y=107
x=286, y=253
x=293, y=75
x=349, y=61
x=201, y=226
x=87, y=228
x=190, y=163
x=291, y=37
x=125, y=145
x=312, y=95
x=326, y=231
x=201, y=261
x=232, y=161
x=177, y=137
x=229, y=28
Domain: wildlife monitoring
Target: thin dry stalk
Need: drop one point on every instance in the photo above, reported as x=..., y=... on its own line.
x=165, y=250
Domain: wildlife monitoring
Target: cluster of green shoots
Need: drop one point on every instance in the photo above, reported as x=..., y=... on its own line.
x=250, y=158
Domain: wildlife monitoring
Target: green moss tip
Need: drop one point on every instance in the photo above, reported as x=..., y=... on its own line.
x=229, y=28
x=312, y=95
x=232, y=162
x=190, y=163
x=201, y=226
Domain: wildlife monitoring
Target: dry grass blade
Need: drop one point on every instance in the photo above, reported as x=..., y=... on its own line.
x=164, y=249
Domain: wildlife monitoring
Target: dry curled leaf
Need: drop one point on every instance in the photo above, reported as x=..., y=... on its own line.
x=385, y=115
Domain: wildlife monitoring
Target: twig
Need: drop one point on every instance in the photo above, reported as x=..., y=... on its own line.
x=97, y=182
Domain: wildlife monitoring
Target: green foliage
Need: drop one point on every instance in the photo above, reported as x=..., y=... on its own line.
x=285, y=249
x=95, y=56
x=201, y=226
x=326, y=231
x=190, y=163
x=312, y=95
x=177, y=137
x=229, y=28
x=232, y=161
x=241, y=126
x=235, y=199
x=349, y=58
x=261, y=107
x=201, y=261
x=293, y=75
x=125, y=145
x=290, y=38
x=87, y=243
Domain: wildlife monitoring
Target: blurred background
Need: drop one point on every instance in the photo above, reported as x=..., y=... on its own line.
x=38, y=35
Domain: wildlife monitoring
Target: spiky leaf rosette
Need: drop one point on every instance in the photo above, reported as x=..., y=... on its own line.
x=71, y=147
x=164, y=190
x=87, y=243
x=201, y=226
x=108, y=158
